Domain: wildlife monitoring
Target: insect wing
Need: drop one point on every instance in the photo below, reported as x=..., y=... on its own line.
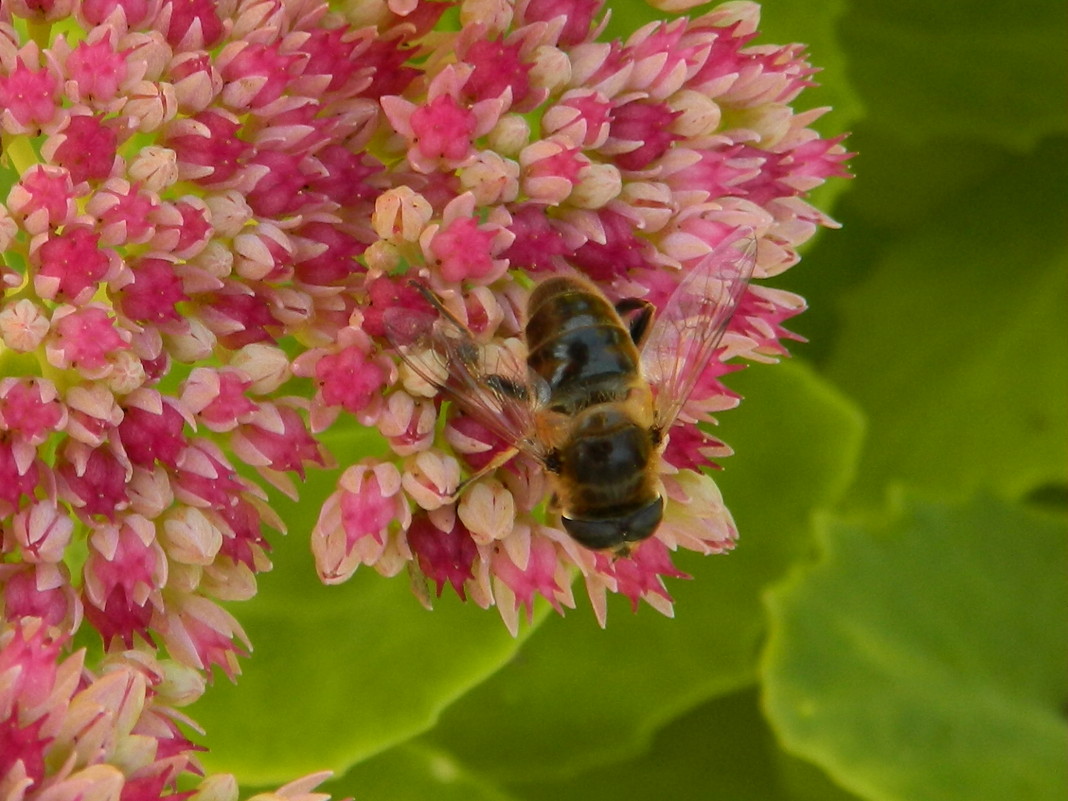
x=692, y=322
x=490, y=383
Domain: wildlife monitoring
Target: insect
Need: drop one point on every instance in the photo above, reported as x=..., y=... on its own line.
x=600, y=388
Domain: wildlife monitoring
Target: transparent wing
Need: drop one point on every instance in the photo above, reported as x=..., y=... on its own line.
x=690, y=326
x=490, y=383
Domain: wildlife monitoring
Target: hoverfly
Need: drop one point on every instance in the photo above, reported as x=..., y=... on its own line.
x=601, y=386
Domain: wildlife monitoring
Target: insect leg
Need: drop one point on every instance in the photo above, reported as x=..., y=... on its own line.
x=468, y=352
x=637, y=314
x=499, y=460
x=435, y=301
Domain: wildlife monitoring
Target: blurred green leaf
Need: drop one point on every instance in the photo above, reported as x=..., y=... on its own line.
x=721, y=750
x=626, y=16
x=901, y=188
x=578, y=696
x=340, y=673
x=956, y=344
x=960, y=68
x=938, y=174
x=922, y=659
x=412, y=772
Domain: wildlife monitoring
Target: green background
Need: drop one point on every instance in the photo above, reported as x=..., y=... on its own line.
x=892, y=624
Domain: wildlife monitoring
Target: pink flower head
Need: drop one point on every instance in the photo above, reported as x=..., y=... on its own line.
x=640, y=576
x=71, y=265
x=350, y=378
x=44, y=197
x=85, y=148
x=354, y=527
x=632, y=162
x=201, y=634
x=461, y=248
x=443, y=555
x=30, y=410
x=154, y=291
x=442, y=129
x=96, y=70
x=216, y=214
x=218, y=397
x=27, y=96
x=577, y=16
x=42, y=591
x=117, y=719
x=540, y=575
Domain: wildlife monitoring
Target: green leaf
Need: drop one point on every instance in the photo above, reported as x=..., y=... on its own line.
x=413, y=773
x=956, y=342
x=578, y=696
x=922, y=659
x=340, y=673
x=721, y=750
x=960, y=68
x=903, y=184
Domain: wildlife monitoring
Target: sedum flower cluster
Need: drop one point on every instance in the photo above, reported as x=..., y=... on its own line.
x=206, y=209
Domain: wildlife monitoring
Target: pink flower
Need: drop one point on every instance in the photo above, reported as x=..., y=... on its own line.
x=186, y=189
x=461, y=248
x=499, y=65
x=119, y=720
x=96, y=69
x=639, y=577
x=40, y=591
x=27, y=95
x=85, y=148
x=444, y=555
x=441, y=130
x=219, y=398
x=43, y=197
x=537, y=571
x=214, y=210
x=624, y=167
x=355, y=524
x=70, y=265
x=201, y=634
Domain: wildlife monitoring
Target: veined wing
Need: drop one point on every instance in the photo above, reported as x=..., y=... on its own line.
x=688, y=329
x=489, y=382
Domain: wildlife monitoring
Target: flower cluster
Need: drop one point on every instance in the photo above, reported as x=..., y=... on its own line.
x=207, y=207
x=74, y=733
x=523, y=145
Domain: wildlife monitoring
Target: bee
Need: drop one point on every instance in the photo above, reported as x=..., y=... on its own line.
x=598, y=392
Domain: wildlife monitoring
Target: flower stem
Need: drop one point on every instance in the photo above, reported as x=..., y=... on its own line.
x=19, y=152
